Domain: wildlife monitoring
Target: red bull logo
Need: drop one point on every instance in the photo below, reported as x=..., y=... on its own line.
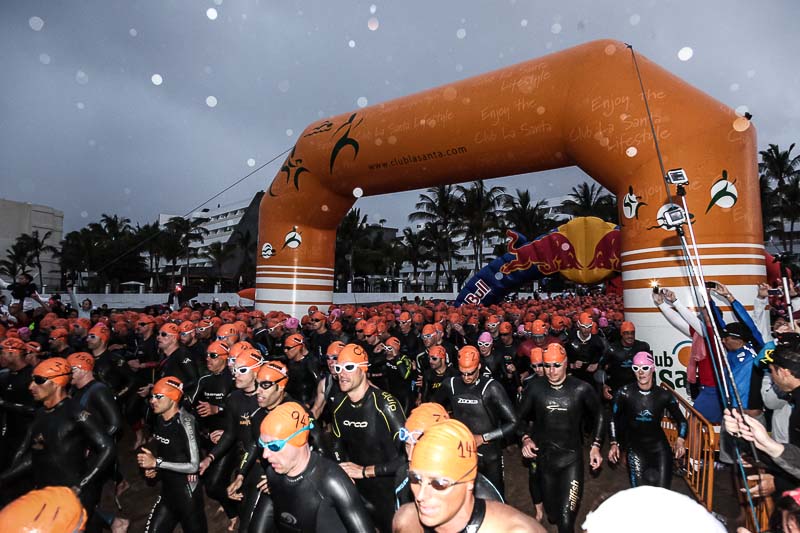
x=584, y=250
x=550, y=253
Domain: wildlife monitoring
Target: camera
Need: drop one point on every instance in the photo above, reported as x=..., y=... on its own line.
x=677, y=176
x=674, y=217
x=712, y=285
x=774, y=292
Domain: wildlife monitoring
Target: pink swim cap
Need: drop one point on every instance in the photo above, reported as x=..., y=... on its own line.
x=602, y=322
x=291, y=323
x=485, y=337
x=643, y=358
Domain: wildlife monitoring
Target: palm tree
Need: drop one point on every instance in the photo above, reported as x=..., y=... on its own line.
x=789, y=206
x=150, y=234
x=246, y=243
x=35, y=247
x=527, y=218
x=218, y=253
x=779, y=166
x=187, y=231
x=590, y=200
x=480, y=215
x=351, y=236
x=16, y=261
x=439, y=209
x=415, y=249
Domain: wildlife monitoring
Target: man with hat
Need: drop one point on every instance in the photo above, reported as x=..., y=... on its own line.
x=59, y=343
x=437, y=372
x=320, y=336
x=638, y=410
x=557, y=407
x=584, y=350
x=304, y=370
x=410, y=341
x=398, y=371
x=109, y=366
x=442, y=475
x=194, y=346
x=618, y=358
x=16, y=405
x=55, y=448
x=420, y=419
x=309, y=491
x=365, y=425
x=176, y=362
x=175, y=461
x=482, y=404
x=93, y=395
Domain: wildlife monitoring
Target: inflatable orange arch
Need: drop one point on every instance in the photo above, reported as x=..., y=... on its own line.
x=582, y=106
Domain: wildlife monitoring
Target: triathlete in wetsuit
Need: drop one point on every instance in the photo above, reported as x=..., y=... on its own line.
x=208, y=401
x=16, y=402
x=95, y=397
x=310, y=493
x=482, y=404
x=417, y=422
x=557, y=407
x=177, y=361
x=366, y=425
x=240, y=410
x=397, y=371
x=175, y=462
x=437, y=373
x=534, y=481
x=304, y=370
x=584, y=350
x=618, y=359
x=109, y=366
x=54, y=451
x=442, y=476
x=491, y=361
x=328, y=385
x=636, y=423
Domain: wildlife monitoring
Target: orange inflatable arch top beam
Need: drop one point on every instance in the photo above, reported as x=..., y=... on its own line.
x=582, y=106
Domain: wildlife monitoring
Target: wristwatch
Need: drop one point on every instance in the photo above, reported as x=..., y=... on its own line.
x=159, y=460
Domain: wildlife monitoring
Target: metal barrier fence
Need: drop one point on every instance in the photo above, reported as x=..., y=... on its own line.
x=701, y=443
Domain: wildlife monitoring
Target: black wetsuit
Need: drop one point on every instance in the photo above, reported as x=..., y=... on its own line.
x=618, y=359
x=180, y=365
x=99, y=400
x=534, y=479
x=318, y=344
x=178, y=459
x=366, y=433
x=303, y=377
x=432, y=382
x=484, y=407
x=214, y=389
x=54, y=451
x=484, y=488
x=475, y=519
x=322, y=498
x=398, y=373
x=492, y=365
x=636, y=424
x=112, y=369
x=241, y=412
x=587, y=352
x=410, y=343
x=557, y=413
x=16, y=411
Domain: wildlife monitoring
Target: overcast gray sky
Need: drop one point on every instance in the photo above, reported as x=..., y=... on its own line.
x=86, y=128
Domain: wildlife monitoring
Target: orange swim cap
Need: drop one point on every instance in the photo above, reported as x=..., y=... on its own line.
x=217, y=347
x=468, y=358
x=284, y=420
x=352, y=353
x=56, y=369
x=273, y=371
x=335, y=348
x=170, y=329
x=82, y=360
x=295, y=339
x=426, y=415
x=555, y=353
x=171, y=387
x=446, y=449
x=249, y=358
x=238, y=348
x=627, y=326
x=47, y=510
